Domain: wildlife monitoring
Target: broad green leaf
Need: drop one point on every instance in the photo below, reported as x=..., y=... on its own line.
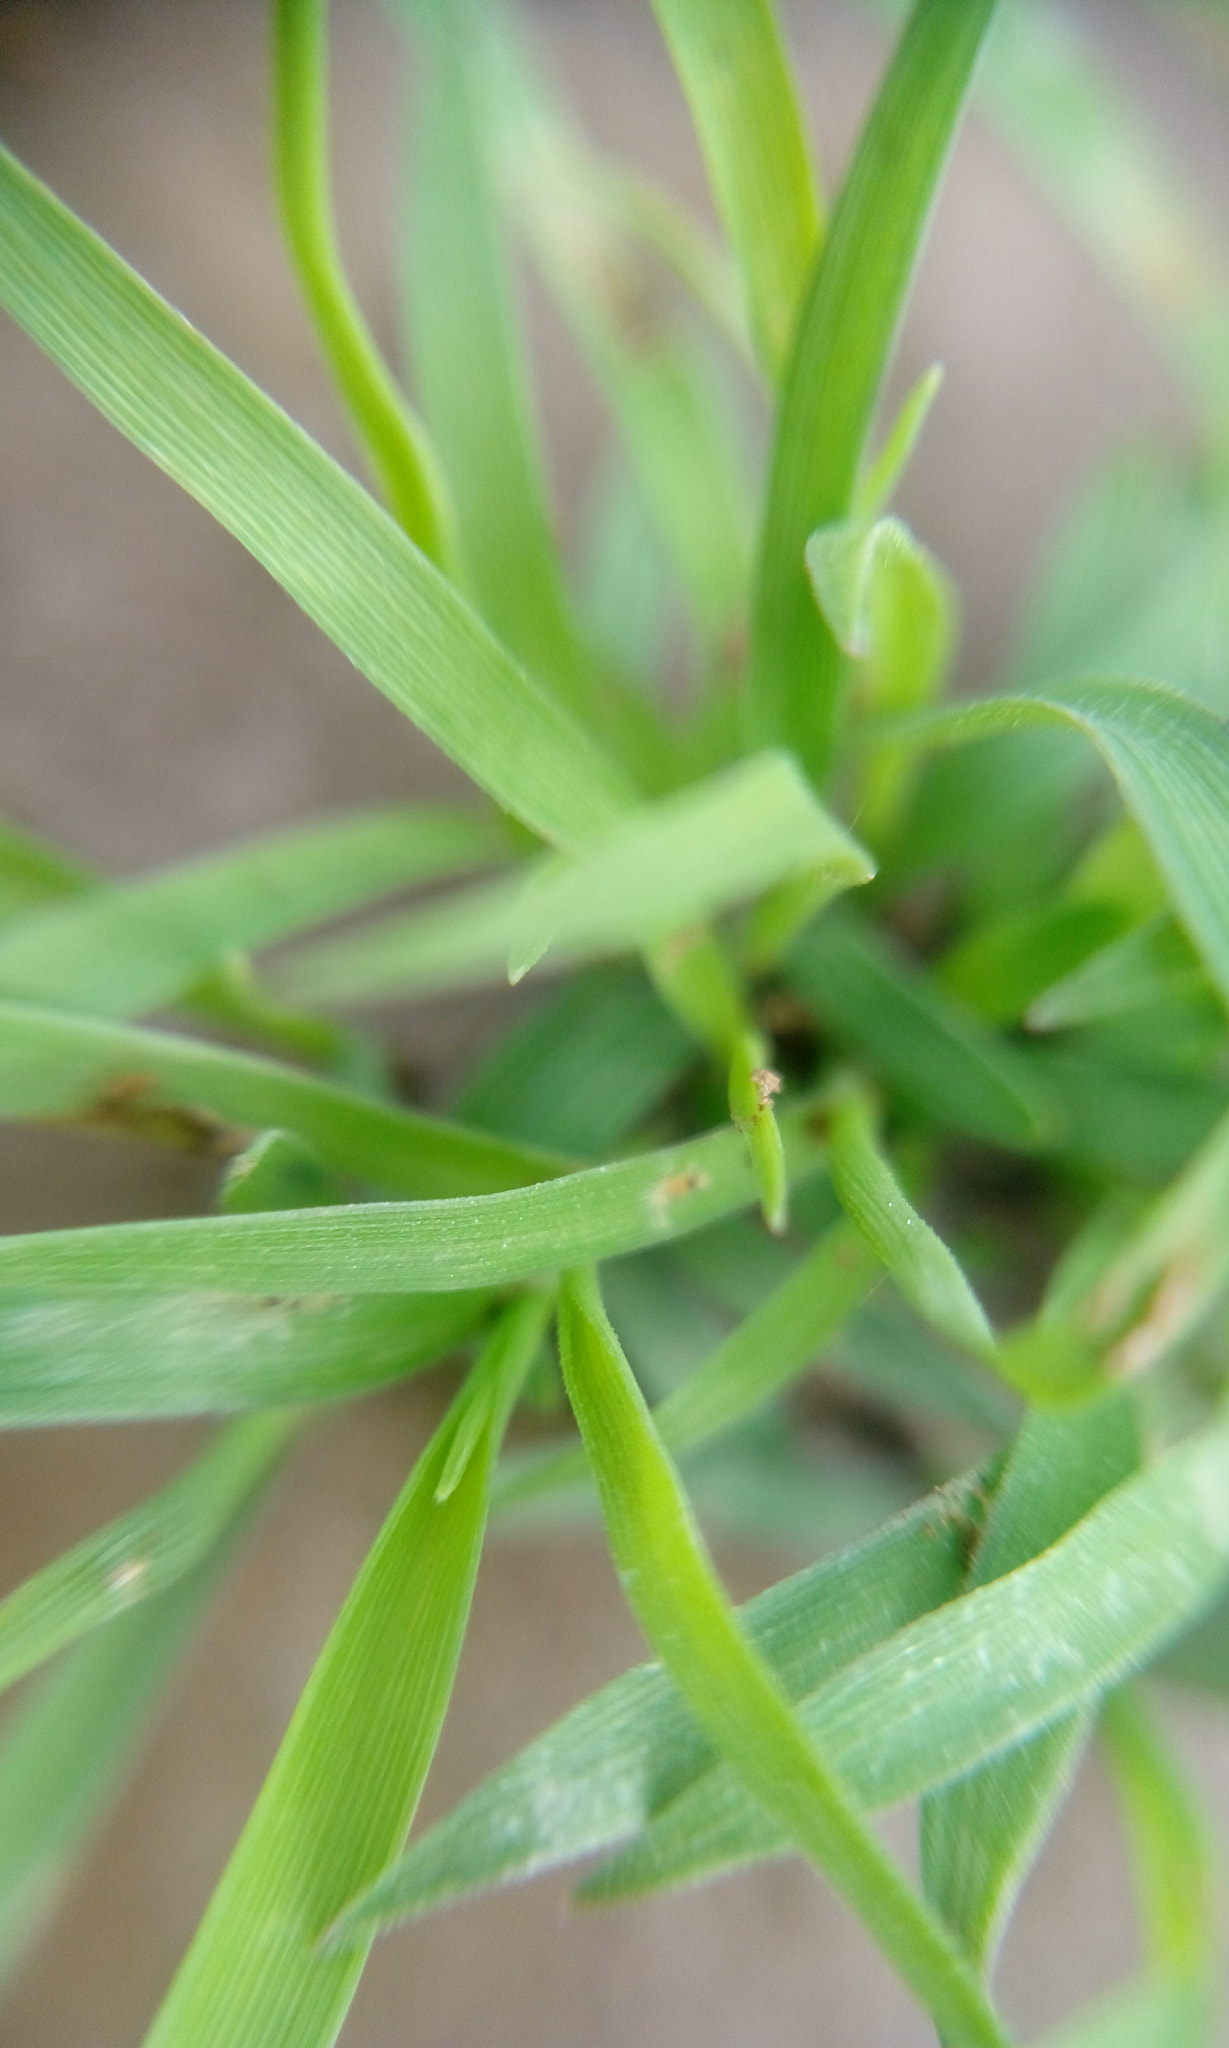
x=139, y=945
x=314, y=529
x=65, y=1754
x=981, y=1835
x=185, y=1091
x=1170, y=759
x=877, y=484
x=390, y=432
x=941, y=1058
x=987, y=1672
x=347, y=1777
x=79, y=1358
x=1002, y=967
x=412, y=1247
x=680, y=1604
x=1152, y=964
x=759, y=1358
x=736, y=77
x=923, y=1268
x=665, y=867
x=584, y=1068
x=140, y=1555
x=841, y=347
x=33, y=873
x=469, y=359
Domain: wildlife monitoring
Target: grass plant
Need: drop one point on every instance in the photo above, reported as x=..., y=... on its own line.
x=838, y=989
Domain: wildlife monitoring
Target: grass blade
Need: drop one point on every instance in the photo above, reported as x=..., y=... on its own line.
x=986, y=1673
x=1004, y=965
x=347, y=1777
x=667, y=866
x=411, y=1247
x=314, y=529
x=942, y=1059
x=844, y=337
x=394, y=439
x=77, y=1358
x=140, y=1555
x=1170, y=759
x=469, y=359
x=759, y=1358
x=981, y=1835
x=923, y=1268
x=33, y=873
x=1171, y=1851
x=65, y=1755
x=184, y=1091
x=139, y=945
x=737, y=81
x=1151, y=964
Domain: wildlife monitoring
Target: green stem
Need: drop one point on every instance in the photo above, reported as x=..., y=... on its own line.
x=394, y=439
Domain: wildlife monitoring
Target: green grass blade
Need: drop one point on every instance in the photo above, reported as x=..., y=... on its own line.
x=64, y=1756
x=623, y=1753
x=736, y=76
x=347, y=1777
x=981, y=1835
x=679, y=1602
x=986, y=1673
x=1170, y=759
x=392, y=437
x=752, y=1086
x=1145, y=2015
x=1002, y=967
x=412, y=1247
x=470, y=364
x=584, y=1068
x=314, y=529
x=941, y=1058
x=140, y=1555
x=184, y=1091
x=877, y=485
x=844, y=337
x=665, y=867
x=77, y=1359
x=1171, y=1851
x=277, y=1171
x=759, y=1358
x=139, y=945
x=923, y=1268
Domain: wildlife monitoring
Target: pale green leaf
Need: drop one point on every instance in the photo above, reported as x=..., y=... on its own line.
x=140, y=1555
x=1172, y=1854
x=877, y=484
x=737, y=81
x=314, y=529
x=351, y=1766
x=138, y=945
x=667, y=866
x=33, y=873
x=1152, y=964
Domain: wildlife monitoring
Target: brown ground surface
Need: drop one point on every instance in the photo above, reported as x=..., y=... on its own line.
x=160, y=695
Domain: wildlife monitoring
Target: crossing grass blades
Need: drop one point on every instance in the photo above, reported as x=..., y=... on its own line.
x=859, y=1159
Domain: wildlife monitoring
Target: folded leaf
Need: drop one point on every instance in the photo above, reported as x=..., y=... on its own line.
x=667, y=866
x=347, y=1777
x=314, y=529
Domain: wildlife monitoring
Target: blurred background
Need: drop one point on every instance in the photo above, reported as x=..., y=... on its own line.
x=159, y=695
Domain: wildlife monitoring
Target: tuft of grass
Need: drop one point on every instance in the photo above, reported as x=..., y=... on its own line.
x=814, y=1133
